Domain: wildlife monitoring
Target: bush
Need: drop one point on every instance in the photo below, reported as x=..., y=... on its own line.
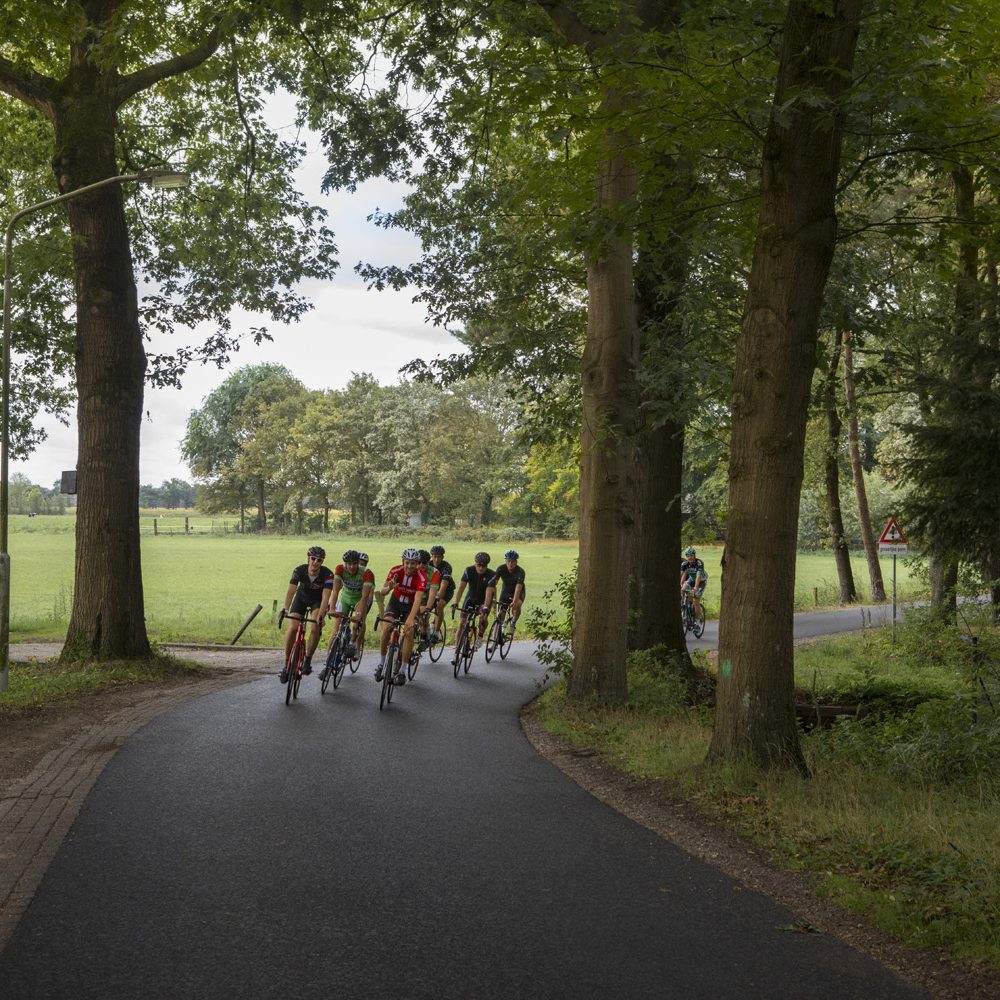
x=940, y=741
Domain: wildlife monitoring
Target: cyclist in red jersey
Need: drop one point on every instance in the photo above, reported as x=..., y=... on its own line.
x=408, y=584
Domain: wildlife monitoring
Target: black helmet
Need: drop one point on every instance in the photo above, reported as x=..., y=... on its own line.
x=425, y=557
x=437, y=550
x=483, y=558
x=511, y=554
x=317, y=552
x=352, y=556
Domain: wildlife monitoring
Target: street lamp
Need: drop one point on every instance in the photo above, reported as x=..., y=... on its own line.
x=162, y=179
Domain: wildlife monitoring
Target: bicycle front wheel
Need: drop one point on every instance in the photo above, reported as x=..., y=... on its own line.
x=470, y=648
x=331, y=665
x=387, y=685
x=699, y=623
x=437, y=648
x=463, y=637
x=338, y=673
x=493, y=638
x=292, y=667
x=507, y=638
x=359, y=648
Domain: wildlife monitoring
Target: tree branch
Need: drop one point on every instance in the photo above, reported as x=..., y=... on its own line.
x=145, y=78
x=28, y=86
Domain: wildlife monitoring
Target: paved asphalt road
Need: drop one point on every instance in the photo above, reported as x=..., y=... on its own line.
x=239, y=848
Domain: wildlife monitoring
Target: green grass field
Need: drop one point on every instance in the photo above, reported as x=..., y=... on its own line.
x=202, y=587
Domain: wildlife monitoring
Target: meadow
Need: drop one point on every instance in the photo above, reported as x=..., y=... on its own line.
x=201, y=587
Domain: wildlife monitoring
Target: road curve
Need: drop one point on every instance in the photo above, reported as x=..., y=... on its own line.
x=239, y=848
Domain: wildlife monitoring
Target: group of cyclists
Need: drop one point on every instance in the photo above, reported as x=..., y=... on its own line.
x=418, y=590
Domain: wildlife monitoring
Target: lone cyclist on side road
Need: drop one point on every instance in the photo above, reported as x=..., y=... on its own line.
x=693, y=577
x=309, y=591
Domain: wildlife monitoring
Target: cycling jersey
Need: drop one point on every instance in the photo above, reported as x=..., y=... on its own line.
x=406, y=586
x=444, y=569
x=477, y=585
x=510, y=579
x=435, y=578
x=353, y=586
x=311, y=587
x=692, y=567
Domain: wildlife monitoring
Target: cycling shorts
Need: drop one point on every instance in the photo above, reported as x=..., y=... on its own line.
x=397, y=607
x=690, y=587
x=348, y=602
x=301, y=604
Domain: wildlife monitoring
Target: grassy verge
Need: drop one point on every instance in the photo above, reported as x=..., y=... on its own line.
x=899, y=819
x=35, y=685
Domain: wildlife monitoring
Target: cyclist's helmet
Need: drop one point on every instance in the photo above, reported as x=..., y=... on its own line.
x=352, y=556
x=411, y=554
x=689, y=551
x=483, y=558
x=363, y=558
x=437, y=550
x=425, y=557
x=511, y=554
x=316, y=552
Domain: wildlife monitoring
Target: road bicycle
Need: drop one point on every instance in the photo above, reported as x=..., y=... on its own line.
x=422, y=643
x=342, y=653
x=465, y=647
x=436, y=646
x=501, y=632
x=693, y=620
x=392, y=658
x=293, y=665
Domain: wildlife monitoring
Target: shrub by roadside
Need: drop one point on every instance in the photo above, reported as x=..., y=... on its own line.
x=35, y=684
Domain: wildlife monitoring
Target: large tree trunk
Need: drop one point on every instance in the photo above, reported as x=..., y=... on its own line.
x=608, y=470
x=834, y=514
x=657, y=539
x=755, y=717
x=108, y=620
x=857, y=474
x=660, y=276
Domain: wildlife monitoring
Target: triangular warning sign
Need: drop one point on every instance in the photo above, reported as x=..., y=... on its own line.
x=892, y=533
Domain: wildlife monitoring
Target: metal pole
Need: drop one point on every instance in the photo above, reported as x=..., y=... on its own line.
x=894, y=597
x=165, y=178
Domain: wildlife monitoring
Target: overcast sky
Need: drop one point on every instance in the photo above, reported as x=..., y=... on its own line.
x=349, y=329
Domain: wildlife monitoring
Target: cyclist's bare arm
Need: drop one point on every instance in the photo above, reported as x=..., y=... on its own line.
x=289, y=596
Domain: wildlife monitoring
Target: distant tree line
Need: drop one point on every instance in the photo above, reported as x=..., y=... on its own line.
x=286, y=457
x=26, y=497
x=170, y=493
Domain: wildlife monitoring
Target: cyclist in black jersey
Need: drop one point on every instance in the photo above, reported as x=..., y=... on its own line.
x=477, y=578
x=446, y=587
x=512, y=577
x=309, y=593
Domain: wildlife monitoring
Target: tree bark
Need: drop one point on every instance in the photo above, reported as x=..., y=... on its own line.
x=857, y=474
x=108, y=617
x=834, y=514
x=776, y=355
x=658, y=535
x=661, y=273
x=609, y=479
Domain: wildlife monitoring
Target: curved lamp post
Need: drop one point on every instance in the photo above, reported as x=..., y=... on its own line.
x=164, y=179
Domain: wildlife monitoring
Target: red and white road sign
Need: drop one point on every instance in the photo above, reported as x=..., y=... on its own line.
x=892, y=541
